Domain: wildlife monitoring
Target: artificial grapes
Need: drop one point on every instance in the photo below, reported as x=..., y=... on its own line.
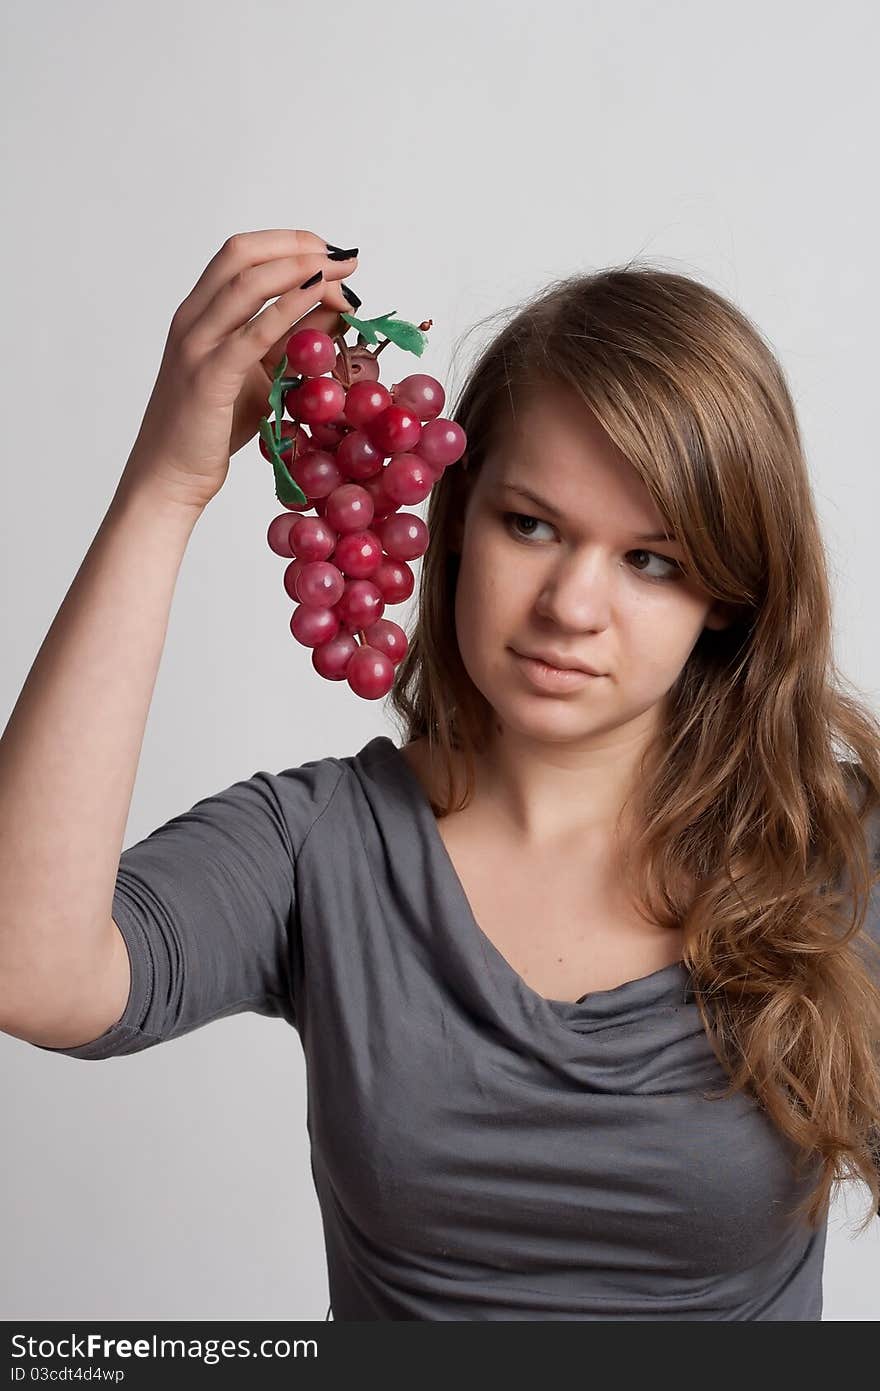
x=359, y=451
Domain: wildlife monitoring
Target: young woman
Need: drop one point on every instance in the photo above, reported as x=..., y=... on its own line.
x=585, y=972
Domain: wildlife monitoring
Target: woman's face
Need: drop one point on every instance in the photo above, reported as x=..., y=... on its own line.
x=571, y=575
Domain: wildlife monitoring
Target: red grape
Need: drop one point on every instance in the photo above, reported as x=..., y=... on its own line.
x=394, y=430
x=370, y=673
x=357, y=457
x=442, y=442
x=387, y=637
x=358, y=554
x=421, y=394
x=319, y=583
x=394, y=580
x=312, y=539
x=364, y=401
x=361, y=603
x=404, y=536
x=312, y=625
x=278, y=534
x=316, y=473
x=408, y=478
x=309, y=353
x=316, y=400
x=349, y=508
x=331, y=659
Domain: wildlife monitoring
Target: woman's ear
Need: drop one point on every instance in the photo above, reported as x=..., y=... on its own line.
x=721, y=615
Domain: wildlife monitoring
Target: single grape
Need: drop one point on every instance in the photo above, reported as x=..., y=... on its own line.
x=309, y=353
x=361, y=603
x=364, y=401
x=387, y=637
x=357, y=457
x=331, y=659
x=442, y=442
x=370, y=673
x=278, y=534
x=421, y=394
x=349, y=508
x=404, y=536
x=394, y=579
x=358, y=554
x=316, y=400
x=312, y=539
x=394, y=430
x=317, y=473
x=408, y=478
x=311, y=625
x=320, y=584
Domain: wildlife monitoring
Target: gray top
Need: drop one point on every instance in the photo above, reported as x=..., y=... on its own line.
x=478, y=1151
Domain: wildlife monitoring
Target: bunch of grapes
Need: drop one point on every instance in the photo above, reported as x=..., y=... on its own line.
x=353, y=453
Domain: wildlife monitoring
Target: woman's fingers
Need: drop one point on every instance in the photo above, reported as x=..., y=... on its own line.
x=234, y=306
x=239, y=350
x=237, y=254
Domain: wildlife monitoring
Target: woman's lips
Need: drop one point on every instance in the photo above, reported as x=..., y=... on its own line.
x=550, y=678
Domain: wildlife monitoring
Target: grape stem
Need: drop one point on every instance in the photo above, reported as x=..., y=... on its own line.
x=346, y=359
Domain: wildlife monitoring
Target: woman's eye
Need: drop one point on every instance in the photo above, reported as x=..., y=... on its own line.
x=671, y=570
x=512, y=519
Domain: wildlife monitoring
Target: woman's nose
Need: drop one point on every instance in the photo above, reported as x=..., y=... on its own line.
x=576, y=595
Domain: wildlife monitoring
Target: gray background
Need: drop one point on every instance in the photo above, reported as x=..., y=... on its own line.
x=472, y=151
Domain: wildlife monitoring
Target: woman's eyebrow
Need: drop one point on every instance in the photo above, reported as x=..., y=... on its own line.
x=554, y=511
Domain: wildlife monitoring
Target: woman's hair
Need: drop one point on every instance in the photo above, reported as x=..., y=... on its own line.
x=751, y=834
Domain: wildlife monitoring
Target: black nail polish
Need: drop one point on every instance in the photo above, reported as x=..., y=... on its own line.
x=337, y=254
x=313, y=280
x=330, y=247
x=351, y=297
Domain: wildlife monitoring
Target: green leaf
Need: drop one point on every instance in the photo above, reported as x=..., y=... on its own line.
x=286, y=490
x=407, y=336
x=365, y=332
x=399, y=331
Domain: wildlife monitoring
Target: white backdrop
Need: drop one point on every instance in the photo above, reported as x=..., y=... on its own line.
x=472, y=151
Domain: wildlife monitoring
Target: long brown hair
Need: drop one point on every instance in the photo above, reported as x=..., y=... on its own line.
x=756, y=815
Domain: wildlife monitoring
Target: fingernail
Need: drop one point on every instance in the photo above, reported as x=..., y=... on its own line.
x=351, y=297
x=330, y=247
x=337, y=254
x=313, y=280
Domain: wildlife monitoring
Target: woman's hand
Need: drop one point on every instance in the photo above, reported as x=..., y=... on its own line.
x=219, y=361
